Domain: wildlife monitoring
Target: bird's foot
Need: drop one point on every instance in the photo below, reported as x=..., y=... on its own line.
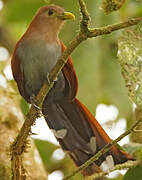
x=55, y=79
x=48, y=80
x=33, y=101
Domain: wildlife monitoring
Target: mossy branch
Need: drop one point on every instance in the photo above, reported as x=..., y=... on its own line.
x=19, y=145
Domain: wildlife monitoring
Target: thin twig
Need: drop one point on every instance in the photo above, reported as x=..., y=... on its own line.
x=110, y=28
x=19, y=145
x=126, y=165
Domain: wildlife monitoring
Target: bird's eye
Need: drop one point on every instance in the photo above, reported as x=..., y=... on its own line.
x=50, y=12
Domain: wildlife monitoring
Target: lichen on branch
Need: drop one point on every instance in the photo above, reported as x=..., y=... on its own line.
x=130, y=59
x=109, y=6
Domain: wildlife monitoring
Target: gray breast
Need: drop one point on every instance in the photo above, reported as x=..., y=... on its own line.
x=37, y=60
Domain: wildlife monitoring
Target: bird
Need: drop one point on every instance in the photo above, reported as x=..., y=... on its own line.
x=76, y=129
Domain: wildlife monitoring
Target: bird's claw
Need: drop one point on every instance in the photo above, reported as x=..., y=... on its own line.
x=48, y=80
x=47, y=77
x=55, y=79
x=33, y=102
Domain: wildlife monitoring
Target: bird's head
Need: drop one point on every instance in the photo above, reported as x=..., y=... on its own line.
x=49, y=19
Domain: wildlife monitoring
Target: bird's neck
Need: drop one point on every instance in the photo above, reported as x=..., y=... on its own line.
x=42, y=33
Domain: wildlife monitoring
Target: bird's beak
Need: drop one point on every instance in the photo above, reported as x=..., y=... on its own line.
x=66, y=16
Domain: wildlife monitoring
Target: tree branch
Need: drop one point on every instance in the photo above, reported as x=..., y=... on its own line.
x=84, y=23
x=114, y=27
x=19, y=145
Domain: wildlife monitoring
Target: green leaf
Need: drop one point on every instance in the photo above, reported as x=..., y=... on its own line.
x=24, y=106
x=134, y=174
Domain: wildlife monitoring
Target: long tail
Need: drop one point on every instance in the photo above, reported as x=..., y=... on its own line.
x=79, y=133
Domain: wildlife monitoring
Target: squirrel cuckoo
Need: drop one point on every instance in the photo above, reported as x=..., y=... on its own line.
x=77, y=131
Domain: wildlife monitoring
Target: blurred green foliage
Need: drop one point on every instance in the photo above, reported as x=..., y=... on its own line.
x=46, y=150
x=95, y=60
x=134, y=173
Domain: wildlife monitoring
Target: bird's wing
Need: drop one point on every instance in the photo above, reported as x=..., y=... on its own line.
x=70, y=76
x=18, y=74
